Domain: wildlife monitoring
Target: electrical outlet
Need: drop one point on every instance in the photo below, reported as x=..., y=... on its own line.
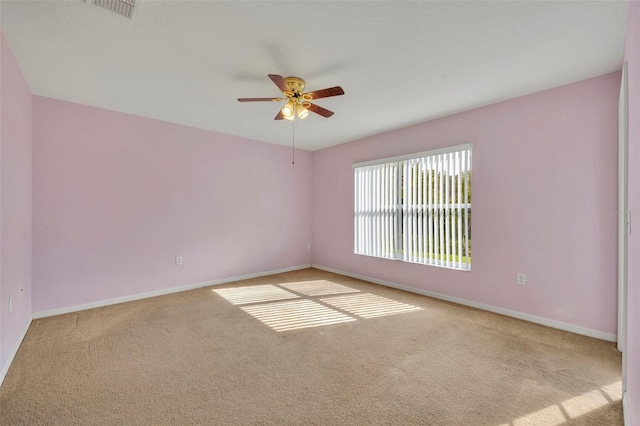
x=521, y=279
x=178, y=260
x=21, y=291
x=10, y=303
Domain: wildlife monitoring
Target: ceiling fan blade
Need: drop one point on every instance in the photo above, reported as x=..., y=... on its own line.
x=258, y=99
x=319, y=110
x=280, y=116
x=279, y=81
x=324, y=93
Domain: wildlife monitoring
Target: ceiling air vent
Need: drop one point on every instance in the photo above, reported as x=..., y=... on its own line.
x=121, y=7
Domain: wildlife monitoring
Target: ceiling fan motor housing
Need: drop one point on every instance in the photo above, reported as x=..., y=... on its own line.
x=295, y=84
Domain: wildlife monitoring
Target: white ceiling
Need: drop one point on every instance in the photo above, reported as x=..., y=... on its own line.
x=399, y=63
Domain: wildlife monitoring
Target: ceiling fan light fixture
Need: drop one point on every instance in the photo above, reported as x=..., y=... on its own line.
x=288, y=110
x=302, y=111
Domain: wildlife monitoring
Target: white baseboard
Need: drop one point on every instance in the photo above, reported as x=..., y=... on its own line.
x=14, y=351
x=100, y=303
x=502, y=311
x=625, y=411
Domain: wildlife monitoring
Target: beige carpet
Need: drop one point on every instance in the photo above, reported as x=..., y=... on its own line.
x=306, y=347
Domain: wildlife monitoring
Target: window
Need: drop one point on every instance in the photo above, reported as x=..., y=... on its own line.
x=416, y=208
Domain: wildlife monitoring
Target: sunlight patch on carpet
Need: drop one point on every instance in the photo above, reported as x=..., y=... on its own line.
x=295, y=314
x=584, y=403
x=613, y=391
x=548, y=416
x=318, y=288
x=369, y=306
x=571, y=408
x=254, y=294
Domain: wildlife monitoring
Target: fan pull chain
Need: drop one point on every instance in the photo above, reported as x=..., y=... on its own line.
x=293, y=143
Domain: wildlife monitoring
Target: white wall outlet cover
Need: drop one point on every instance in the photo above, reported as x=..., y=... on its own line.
x=521, y=279
x=178, y=260
x=21, y=291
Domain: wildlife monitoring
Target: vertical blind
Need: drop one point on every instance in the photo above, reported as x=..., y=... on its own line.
x=416, y=208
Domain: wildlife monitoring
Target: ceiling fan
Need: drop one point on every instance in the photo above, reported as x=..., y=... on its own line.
x=297, y=102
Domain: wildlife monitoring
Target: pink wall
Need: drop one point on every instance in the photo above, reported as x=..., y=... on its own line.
x=116, y=197
x=544, y=175
x=15, y=200
x=632, y=356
